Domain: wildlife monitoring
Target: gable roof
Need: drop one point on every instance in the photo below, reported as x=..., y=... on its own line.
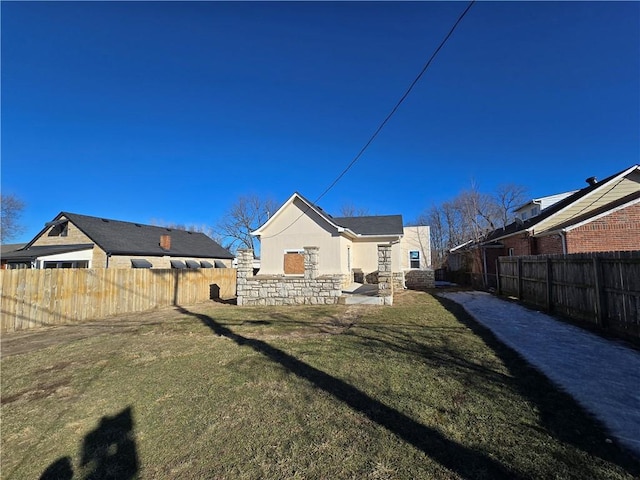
x=126, y=238
x=374, y=225
x=584, y=203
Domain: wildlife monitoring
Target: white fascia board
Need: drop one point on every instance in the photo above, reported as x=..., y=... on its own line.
x=380, y=238
x=462, y=245
x=259, y=231
x=593, y=192
x=589, y=220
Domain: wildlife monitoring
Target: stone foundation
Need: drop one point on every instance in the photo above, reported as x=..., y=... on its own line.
x=280, y=290
x=419, y=279
x=309, y=289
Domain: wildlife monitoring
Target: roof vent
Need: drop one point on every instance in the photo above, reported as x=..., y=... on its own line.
x=105, y=220
x=591, y=180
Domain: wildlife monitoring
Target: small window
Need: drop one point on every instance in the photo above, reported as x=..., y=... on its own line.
x=205, y=264
x=177, y=264
x=60, y=229
x=414, y=259
x=511, y=252
x=192, y=264
x=67, y=264
x=140, y=263
x=219, y=264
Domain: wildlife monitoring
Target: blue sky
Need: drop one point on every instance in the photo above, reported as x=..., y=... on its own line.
x=170, y=111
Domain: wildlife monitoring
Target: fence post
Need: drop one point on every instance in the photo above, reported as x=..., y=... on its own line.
x=519, y=273
x=498, y=289
x=549, y=285
x=599, y=293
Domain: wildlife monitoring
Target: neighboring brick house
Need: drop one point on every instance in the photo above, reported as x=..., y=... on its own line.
x=602, y=217
x=71, y=240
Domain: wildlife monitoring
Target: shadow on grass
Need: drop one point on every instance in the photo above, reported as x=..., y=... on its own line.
x=559, y=412
x=108, y=452
x=450, y=454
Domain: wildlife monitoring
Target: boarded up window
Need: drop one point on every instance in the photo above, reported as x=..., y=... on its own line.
x=293, y=264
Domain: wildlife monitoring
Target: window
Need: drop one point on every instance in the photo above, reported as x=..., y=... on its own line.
x=414, y=259
x=192, y=264
x=177, y=264
x=60, y=229
x=294, y=262
x=140, y=263
x=67, y=264
x=511, y=252
x=205, y=264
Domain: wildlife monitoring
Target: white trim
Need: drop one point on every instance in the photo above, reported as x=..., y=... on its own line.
x=589, y=220
x=260, y=230
x=591, y=193
x=462, y=245
x=531, y=229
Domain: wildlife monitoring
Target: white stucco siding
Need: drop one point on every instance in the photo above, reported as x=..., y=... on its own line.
x=365, y=254
x=294, y=228
x=416, y=239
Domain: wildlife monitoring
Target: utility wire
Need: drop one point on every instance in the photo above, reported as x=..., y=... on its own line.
x=397, y=105
x=387, y=118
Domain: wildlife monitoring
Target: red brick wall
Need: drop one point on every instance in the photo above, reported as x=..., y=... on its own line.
x=549, y=245
x=619, y=230
x=520, y=243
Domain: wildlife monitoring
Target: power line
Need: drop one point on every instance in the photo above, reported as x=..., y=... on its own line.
x=387, y=118
x=397, y=105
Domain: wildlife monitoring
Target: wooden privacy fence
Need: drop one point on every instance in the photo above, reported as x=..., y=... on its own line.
x=602, y=289
x=33, y=298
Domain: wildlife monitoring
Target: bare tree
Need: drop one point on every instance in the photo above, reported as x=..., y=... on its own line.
x=349, y=210
x=246, y=215
x=12, y=208
x=509, y=196
x=469, y=216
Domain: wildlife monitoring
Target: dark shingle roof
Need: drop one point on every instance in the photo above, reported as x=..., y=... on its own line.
x=547, y=212
x=10, y=247
x=126, y=238
x=372, y=225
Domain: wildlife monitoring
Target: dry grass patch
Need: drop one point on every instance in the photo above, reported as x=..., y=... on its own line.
x=413, y=391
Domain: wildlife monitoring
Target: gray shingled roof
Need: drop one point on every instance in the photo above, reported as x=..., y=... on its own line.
x=372, y=225
x=126, y=238
x=516, y=227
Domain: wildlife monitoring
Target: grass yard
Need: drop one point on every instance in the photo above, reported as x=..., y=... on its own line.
x=413, y=391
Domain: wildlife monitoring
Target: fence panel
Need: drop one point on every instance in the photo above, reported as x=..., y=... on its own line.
x=601, y=289
x=508, y=275
x=534, y=280
x=32, y=298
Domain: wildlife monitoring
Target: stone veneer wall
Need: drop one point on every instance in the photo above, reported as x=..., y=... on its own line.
x=418, y=279
x=385, y=276
x=311, y=289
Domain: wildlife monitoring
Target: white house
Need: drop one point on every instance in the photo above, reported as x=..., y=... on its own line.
x=347, y=245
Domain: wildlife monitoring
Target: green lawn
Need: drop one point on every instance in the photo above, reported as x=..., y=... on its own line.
x=413, y=391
